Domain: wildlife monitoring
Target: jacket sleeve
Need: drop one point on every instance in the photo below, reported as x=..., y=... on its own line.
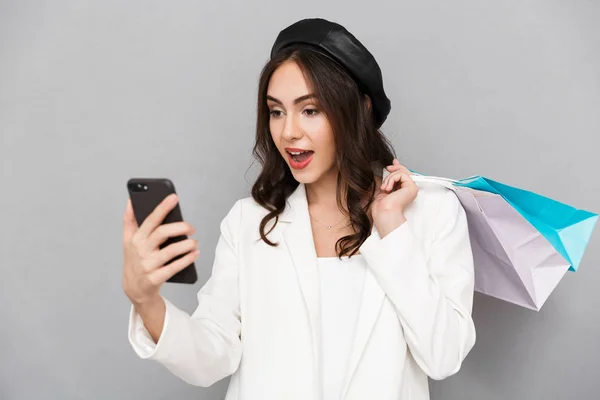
x=432, y=292
x=205, y=347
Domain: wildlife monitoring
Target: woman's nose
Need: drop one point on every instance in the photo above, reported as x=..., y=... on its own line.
x=291, y=130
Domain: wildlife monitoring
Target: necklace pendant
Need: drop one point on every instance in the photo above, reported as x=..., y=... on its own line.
x=329, y=227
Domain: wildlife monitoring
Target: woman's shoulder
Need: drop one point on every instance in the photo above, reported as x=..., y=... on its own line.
x=434, y=193
x=251, y=208
x=435, y=202
x=245, y=209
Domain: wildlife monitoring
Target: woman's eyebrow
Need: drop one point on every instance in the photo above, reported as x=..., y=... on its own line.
x=298, y=100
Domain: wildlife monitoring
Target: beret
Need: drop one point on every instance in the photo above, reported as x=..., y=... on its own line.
x=335, y=42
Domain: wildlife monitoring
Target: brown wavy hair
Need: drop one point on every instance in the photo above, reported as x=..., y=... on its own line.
x=359, y=145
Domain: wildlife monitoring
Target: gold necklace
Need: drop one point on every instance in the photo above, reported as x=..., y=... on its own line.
x=328, y=226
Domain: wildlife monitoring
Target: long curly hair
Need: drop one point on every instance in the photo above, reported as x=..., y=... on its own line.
x=360, y=145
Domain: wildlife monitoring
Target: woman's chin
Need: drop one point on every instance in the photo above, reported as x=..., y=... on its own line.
x=303, y=176
x=309, y=174
x=312, y=173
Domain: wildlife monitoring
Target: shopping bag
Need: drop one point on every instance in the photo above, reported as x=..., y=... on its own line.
x=523, y=243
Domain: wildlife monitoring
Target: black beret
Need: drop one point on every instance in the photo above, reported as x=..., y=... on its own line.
x=336, y=43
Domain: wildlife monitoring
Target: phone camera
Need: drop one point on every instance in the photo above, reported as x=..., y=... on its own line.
x=138, y=187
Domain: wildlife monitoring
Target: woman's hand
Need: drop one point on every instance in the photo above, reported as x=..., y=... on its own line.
x=397, y=191
x=143, y=266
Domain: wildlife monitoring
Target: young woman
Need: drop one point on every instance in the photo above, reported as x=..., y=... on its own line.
x=339, y=278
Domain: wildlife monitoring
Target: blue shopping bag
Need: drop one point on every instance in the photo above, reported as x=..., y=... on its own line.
x=567, y=228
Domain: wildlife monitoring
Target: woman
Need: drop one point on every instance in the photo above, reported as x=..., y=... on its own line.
x=329, y=282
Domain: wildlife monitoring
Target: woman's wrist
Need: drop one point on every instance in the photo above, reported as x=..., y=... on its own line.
x=149, y=303
x=390, y=222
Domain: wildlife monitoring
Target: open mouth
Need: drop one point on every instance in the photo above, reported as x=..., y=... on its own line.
x=300, y=156
x=300, y=159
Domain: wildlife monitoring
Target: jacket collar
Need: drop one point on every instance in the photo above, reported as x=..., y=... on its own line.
x=297, y=237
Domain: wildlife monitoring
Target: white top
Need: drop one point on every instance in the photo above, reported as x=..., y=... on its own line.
x=341, y=290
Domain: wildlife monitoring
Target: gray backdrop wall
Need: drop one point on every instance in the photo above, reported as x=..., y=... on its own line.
x=92, y=93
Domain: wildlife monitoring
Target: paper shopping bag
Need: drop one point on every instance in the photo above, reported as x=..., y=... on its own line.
x=523, y=243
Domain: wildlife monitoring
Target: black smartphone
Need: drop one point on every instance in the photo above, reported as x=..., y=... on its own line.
x=145, y=195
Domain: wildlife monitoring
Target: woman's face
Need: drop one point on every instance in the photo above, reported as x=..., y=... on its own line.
x=297, y=123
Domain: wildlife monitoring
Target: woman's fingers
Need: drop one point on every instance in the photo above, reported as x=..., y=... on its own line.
x=129, y=223
x=394, y=168
x=395, y=163
x=144, y=269
x=158, y=258
x=157, y=216
x=165, y=231
x=386, y=181
x=163, y=256
x=392, y=179
x=161, y=275
x=399, y=176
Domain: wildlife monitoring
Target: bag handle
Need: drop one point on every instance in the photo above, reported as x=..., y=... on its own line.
x=446, y=182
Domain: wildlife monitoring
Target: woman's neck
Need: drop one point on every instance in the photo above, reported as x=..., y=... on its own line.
x=322, y=194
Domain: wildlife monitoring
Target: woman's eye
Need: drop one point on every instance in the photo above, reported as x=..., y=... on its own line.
x=311, y=111
x=275, y=113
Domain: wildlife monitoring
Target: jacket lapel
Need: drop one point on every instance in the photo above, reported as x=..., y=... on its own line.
x=298, y=239
x=372, y=300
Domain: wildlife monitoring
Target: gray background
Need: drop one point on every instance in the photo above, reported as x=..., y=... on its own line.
x=92, y=93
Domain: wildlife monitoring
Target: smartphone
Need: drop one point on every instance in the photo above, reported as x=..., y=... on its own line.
x=145, y=195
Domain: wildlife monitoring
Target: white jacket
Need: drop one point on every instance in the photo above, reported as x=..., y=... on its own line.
x=258, y=314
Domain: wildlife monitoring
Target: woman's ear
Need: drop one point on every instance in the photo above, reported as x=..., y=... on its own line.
x=368, y=101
